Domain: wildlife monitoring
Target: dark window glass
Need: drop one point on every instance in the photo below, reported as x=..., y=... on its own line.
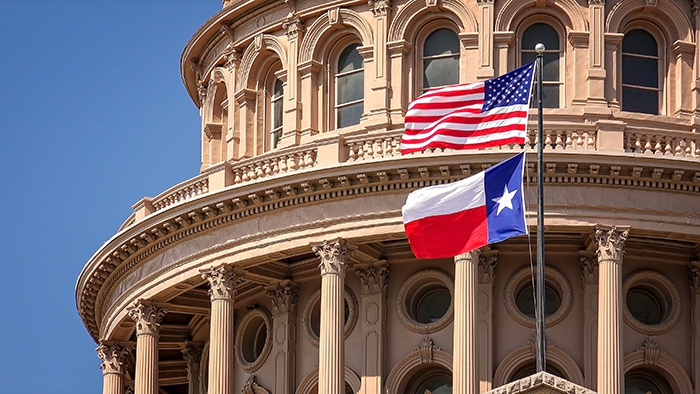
x=646, y=382
x=436, y=384
x=552, y=60
x=277, y=113
x=540, y=33
x=349, y=85
x=433, y=305
x=526, y=302
x=440, y=59
x=640, y=72
x=644, y=306
x=640, y=100
x=350, y=59
x=639, y=42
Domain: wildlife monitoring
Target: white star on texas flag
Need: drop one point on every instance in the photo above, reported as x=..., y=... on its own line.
x=505, y=201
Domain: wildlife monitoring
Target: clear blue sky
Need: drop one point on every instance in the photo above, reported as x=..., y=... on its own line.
x=93, y=116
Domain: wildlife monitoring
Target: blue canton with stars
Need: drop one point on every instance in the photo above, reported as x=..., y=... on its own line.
x=509, y=89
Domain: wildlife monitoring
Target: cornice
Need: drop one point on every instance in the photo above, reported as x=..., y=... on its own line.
x=168, y=227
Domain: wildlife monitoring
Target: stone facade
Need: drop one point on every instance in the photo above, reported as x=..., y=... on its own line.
x=284, y=267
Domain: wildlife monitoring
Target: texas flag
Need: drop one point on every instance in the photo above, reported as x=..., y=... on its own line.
x=488, y=207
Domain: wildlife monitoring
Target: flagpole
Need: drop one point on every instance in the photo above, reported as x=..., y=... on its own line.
x=539, y=302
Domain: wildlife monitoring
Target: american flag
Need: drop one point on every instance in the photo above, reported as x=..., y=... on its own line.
x=478, y=115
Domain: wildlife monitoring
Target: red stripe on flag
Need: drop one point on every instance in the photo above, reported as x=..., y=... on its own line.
x=448, y=235
x=444, y=144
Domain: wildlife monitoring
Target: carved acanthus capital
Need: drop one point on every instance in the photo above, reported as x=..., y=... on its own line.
x=425, y=350
x=589, y=267
x=233, y=58
x=201, y=92
x=610, y=244
x=694, y=276
x=113, y=356
x=294, y=28
x=147, y=315
x=284, y=297
x=380, y=7
x=471, y=256
x=222, y=281
x=192, y=353
x=487, y=267
x=374, y=277
x=333, y=256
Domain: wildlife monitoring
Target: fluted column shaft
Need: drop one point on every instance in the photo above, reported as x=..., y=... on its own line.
x=222, y=282
x=331, y=348
x=147, y=316
x=609, y=253
x=464, y=354
x=113, y=357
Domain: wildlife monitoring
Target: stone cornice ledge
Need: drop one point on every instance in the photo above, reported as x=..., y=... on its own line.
x=541, y=382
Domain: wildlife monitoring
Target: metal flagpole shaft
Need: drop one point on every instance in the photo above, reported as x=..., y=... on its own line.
x=539, y=302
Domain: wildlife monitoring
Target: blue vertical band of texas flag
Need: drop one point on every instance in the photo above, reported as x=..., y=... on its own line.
x=501, y=180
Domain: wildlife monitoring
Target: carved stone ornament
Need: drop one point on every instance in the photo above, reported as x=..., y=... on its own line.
x=425, y=350
x=596, y=2
x=589, y=266
x=694, y=276
x=695, y=6
x=201, y=92
x=651, y=351
x=333, y=256
x=222, y=282
x=113, y=357
x=192, y=353
x=251, y=386
x=233, y=58
x=284, y=297
x=610, y=244
x=473, y=255
x=130, y=389
x=487, y=267
x=374, y=277
x=147, y=315
x=294, y=28
x=484, y=2
x=380, y=7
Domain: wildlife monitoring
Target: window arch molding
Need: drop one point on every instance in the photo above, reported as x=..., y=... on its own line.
x=514, y=12
x=420, y=36
x=664, y=364
x=526, y=354
x=411, y=18
x=426, y=355
x=666, y=13
x=311, y=380
x=260, y=51
x=324, y=32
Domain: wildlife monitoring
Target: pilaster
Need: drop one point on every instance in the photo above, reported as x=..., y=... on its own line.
x=465, y=366
x=589, y=267
x=331, y=349
x=486, y=55
x=694, y=278
x=612, y=49
x=292, y=105
x=113, y=356
x=147, y=315
x=377, y=96
x=400, y=76
x=610, y=242
x=683, y=52
x=501, y=43
x=246, y=122
x=487, y=273
x=308, y=75
x=232, y=131
x=374, y=278
x=222, y=282
x=192, y=353
x=596, y=53
x=284, y=308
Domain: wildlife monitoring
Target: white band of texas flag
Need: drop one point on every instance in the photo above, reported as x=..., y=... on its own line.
x=448, y=220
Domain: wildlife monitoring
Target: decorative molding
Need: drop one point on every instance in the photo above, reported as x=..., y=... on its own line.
x=233, y=59
x=374, y=277
x=542, y=382
x=380, y=7
x=651, y=351
x=589, y=266
x=252, y=387
x=333, y=255
x=283, y=296
x=526, y=354
x=658, y=284
x=294, y=28
x=411, y=286
x=694, y=276
x=425, y=350
x=310, y=381
x=596, y=2
x=416, y=361
x=487, y=266
x=113, y=356
x=241, y=341
x=674, y=373
x=222, y=281
x=147, y=315
x=610, y=244
x=192, y=353
x=553, y=278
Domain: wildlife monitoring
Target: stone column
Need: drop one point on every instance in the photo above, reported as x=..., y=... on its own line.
x=284, y=308
x=610, y=243
x=147, y=315
x=487, y=272
x=113, y=356
x=589, y=266
x=694, y=277
x=331, y=347
x=464, y=354
x=222, y=281
x=192, y=353
x=375, y=284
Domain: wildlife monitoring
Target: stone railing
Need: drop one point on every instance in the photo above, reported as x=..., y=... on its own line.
x=273, y=163
x=182, y=192
x=682, y=144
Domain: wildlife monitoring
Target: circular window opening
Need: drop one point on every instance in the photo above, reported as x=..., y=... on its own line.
x=425, y=301
x=526, y=302
x=252, y=339
x=519, y=298
x=652, y=303
x=312, y=315
x=646, y=382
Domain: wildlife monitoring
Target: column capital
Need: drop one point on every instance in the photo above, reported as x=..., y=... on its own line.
x=374, y=277
x=284, y=297
x=294, y=28
x=147, y=315
x=487, y=266
x=334, y=255
x=694, y=276
x=222, y=281
x=380, y=7
x=610, y=243
x=192, y=353
x=472, y=255
x=113, y=356
x=589, y=266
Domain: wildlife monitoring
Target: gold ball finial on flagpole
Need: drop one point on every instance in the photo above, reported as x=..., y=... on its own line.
x=539, y=47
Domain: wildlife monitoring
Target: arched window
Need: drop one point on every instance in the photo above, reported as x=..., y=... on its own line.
x=440, y=59
x=349, y=87
x=643, y=381
x=276, y=113
x=553, y=59
x=640, y=73
x=431, y=381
